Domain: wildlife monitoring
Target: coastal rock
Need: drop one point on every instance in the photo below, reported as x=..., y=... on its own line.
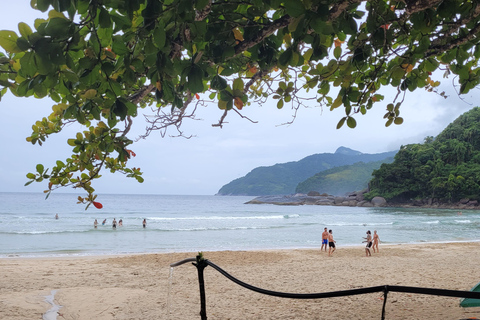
x=379, y=202
x=313, y=194
x=325, y=202
x=351, y=200
x=418, y=203
x=339, y=200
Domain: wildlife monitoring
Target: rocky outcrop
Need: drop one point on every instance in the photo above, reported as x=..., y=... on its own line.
x=356, y=199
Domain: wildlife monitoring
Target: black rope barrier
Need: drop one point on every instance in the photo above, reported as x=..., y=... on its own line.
x=297, y=295
x=202, y=263
x=385, y=288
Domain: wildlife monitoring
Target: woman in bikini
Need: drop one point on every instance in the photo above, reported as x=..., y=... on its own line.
x=376, y=240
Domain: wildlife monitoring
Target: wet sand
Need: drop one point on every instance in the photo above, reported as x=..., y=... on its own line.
x=142, y=286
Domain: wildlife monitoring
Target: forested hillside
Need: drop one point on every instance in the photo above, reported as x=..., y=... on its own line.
x=341, y=180
x=283, y=178
x=445, y=168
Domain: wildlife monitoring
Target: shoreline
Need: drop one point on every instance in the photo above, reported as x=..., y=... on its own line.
x=143, y=286
x=107, y=255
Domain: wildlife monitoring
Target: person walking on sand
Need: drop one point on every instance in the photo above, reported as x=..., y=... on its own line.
x=95, y=224
x=144, y=223
x=324, y=239
x=114, y=224
x=368, y=240
x=376, y=240
x=331, y=243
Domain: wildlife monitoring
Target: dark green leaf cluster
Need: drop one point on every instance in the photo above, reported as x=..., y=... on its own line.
x=102, y=60
x=445, y=168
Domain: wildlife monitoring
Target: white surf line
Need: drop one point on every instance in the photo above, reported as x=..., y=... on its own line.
x=52, y=313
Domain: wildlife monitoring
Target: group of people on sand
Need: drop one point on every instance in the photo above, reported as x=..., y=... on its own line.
x=327, y=239
x=114, y=223
x=372, y=242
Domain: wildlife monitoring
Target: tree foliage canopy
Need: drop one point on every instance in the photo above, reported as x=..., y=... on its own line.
x=102, y=60
x=445, y=168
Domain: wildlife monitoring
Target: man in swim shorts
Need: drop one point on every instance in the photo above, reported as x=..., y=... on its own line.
x=369, y=243
x=324, y=240
x=331, y=243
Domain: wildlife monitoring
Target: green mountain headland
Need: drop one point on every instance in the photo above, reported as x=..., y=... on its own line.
x=283, y=178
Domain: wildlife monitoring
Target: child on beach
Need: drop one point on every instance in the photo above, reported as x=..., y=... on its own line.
x=95, y=223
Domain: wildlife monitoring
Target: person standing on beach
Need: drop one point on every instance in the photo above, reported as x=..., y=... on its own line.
x=331, y=243
x=376, y=240
x=144, y=223
x=114, y=224
x=369, y=243
x=324, y=239
x=95, y=224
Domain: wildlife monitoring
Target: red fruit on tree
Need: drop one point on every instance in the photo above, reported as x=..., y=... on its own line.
x=97, y=205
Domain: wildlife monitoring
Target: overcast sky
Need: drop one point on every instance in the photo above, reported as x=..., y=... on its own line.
x=213, y=157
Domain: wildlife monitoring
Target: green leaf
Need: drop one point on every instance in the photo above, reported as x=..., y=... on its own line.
x=431, y=65
x=285, y=57
x=104, y=19
x=280, y=104
x=43, y=5
x=218, y=83
x=398, y=73
x=200, y=4
x=120, y=109
x=336, y=103
x=238, y=84
x=398, y=120
x=24, y=29
x=40, y=168
x=58, y=28
x=337, y=52
x=294, y=8
x=294, y=24
x=8, y=41
x=29, y=67
x=195, y=79
x=119, y=46
x=341, y=122
x=159, y=36
x=351, y=122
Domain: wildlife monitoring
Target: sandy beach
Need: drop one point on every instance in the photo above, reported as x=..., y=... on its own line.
x=143, y=287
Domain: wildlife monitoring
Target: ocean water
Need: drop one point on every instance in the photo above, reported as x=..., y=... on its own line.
x=208, y=223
